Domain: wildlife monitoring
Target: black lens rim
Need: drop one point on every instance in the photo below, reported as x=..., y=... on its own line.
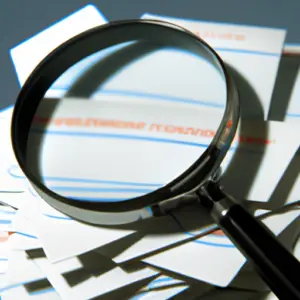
x=81, y=46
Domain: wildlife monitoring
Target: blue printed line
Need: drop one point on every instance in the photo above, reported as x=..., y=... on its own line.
x=6, y=212
x=118, y=136
x=92, y=190
x=199, y=241
x=161, y=97
x=97, y=199
x=244, y=51
x=5, y=222
x=10, y=287
x=294, y=115
x=158, y=280
x=209, y=243
x=134, y=137
x=57, y=217
x=83, y=180
x=25, y=234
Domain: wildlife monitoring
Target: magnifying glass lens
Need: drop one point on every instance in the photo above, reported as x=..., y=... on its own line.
x=125, y=121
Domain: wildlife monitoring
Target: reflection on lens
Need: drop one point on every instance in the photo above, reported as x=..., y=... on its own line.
x=125, y=121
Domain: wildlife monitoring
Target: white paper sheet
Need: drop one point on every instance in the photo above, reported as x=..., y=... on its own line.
x=260, y=144
x=109, y=277
x=56, y=228
x=8, y=183
x=245, y=48
x=263, y=175
x=214, y=258
x=7, y=215
x=6, y=113
x=21, y=277
x=3, y=262
x=292, y=115
x=21, y=269
x=20, y=292
x=25, y=233
x=53, y=228
x=4, y=252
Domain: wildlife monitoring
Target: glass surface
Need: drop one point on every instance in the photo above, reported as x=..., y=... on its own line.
x=125, y=121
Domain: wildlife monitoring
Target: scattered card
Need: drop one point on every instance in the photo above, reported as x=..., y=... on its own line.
x=243, y=48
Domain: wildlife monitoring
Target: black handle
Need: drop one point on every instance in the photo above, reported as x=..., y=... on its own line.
x=276, y=265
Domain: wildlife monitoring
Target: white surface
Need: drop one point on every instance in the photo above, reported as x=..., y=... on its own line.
x=94, y=285
x=253, y=139
x=213, y=261
x=257, y=47
x=7, y=158
x=293, y=110
x=53, y=229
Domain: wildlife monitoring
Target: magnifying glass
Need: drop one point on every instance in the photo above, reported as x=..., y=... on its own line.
x=132, y=119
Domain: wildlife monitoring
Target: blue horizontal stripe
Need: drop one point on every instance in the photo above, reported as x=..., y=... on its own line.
x=159, y=280
x=5, y=222
x=136, y=137
x=244, y=51
x=3, y=259
x=26, y=235
x=294, y=115
x=209, y=243
x=92, y=190
x=57, y=217
x=119, y=136
x=162, y=97
x=84, y=180
x=214, y=244
x=98, y=199
x=6, y=212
